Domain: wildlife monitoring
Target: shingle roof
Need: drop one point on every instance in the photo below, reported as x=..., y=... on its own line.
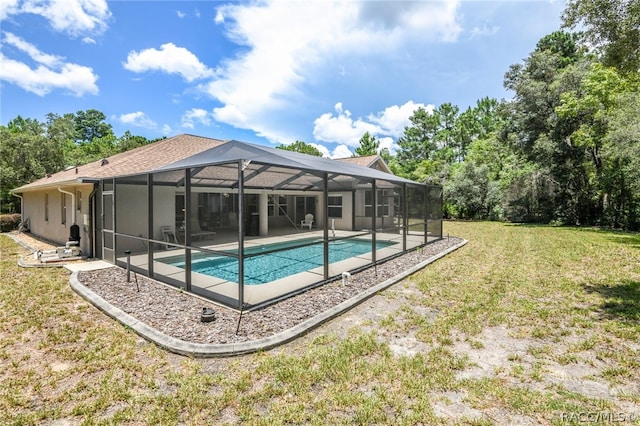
x=365, y=161
x=138, y=160
x=368, y=161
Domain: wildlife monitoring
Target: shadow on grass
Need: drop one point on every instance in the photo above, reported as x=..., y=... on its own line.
x=630, y=239
x=622, y=301
x=615, y=235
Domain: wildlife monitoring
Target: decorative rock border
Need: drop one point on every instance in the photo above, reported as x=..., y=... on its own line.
x=208, y=350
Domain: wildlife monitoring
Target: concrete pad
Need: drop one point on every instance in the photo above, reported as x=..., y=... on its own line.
x=88, y=266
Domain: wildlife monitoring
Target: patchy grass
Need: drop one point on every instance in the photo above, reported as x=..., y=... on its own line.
x=569, y=299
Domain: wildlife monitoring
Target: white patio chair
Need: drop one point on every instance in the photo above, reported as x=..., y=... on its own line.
x=308, y=221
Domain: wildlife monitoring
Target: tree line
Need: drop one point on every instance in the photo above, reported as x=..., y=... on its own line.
x=564, y=149
x=31, y=149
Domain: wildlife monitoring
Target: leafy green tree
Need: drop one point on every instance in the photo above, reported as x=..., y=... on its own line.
x=386, y=155
x=475, y=123
x=129, y=141
x=528, y=192
x=90, y=125
x=603, y=98
x=25, y=155
x=622, y=161
x=31, y=149
x=369, y=145
x=301, y=147
x=471, y=194
x=418, y=142
x=612, y=26
x=538, y=135
x=565, y=46
x=491, y=152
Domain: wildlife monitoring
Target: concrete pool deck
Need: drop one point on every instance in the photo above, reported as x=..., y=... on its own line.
x=254, y=295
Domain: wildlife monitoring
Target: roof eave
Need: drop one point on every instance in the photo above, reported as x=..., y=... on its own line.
x=76, y=181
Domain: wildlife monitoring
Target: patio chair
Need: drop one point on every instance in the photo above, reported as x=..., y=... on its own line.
x=168, y=236
x=308, y=221
x=198, y=234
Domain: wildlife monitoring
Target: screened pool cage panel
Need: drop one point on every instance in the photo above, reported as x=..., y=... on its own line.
x=246, y=225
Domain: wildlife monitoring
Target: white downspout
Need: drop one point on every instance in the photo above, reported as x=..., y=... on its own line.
x=73, y=204
x=21, y=206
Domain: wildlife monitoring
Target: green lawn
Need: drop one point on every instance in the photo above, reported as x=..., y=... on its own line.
x=525, y=324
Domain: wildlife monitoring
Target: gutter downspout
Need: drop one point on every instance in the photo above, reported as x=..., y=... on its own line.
x=21, y=206
x=73, y=204
x=91, y=225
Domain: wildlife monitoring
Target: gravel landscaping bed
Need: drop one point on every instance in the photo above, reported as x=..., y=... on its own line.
x=177, y=313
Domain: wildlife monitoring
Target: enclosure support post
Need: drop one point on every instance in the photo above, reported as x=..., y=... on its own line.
x=426, y=214
x=374, y=201
x=440, y=215
x=240, y=234
x=187, y=227
x=325, y=194
x=150, y=224
x=405, y=221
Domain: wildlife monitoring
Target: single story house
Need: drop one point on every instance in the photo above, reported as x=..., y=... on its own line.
x=238, y=223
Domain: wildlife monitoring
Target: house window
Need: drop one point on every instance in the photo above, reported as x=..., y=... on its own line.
x=63, y=208
x=282, y=204
x=46, y=207
x=382, y=205
x=368, y=203
x=277, y=205
x=334, y=204
x=78, y=200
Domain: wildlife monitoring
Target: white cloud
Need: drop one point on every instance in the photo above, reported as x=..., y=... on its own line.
x=484, y=31
x=50, y=73
x=341, y=151
x=170, y=59
x=394, y=119
x=196, y=115
x=181, y=14
x=139, y=119
x=88, y=40
x=8, y=8
x=323, y=149
x=230, y=114
x=287, y=44
x=388, y=143
x=341, y=128
x=31, y=50
x=73, y=17
x=166, y=129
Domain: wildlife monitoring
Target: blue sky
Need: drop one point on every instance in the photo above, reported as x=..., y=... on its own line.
x=268, y=72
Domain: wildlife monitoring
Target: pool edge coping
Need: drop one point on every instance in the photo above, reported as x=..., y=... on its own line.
x=211, y=350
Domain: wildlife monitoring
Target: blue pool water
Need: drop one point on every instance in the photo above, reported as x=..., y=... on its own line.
x=264, y=268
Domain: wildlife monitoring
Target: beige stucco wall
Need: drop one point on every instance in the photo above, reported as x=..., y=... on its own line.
x=131, y=209
x=33, y=208
x=164, y=205
x=346, y=221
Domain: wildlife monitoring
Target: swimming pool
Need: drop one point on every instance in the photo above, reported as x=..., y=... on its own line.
x=263, y=268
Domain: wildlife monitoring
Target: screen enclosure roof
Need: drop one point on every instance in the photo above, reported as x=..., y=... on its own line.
x=272, y=168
